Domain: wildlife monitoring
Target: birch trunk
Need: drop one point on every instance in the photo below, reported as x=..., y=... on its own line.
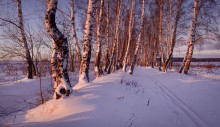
x=71, y=54
x=107, y=37
x=192, y=38
x=84, y=66
x=54, y=68
x=123, y=42
x=78, y=50
x=59, y=60
x=169, y=17
x=160, y=33
x=139, y=39
x=117, y=39
x=177, y=17
x=27, y=55
x=145, y=44
x=151, y=42
x=184, y=59
x=98, y=66
x=113, y=54
x=34, y=72
x=130, y=27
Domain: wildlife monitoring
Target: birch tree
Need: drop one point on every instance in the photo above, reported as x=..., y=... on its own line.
x=169, y=18
x=78, y=50
x=176, y=20
x=192, y=37
x=107, y=37
x=203, y=20
x=130, y=26
x=84, y=66
x=138, y=40
x=161, y=2
x=98, y=66
x=29, y=61
x=60, y=53
x=115, y=45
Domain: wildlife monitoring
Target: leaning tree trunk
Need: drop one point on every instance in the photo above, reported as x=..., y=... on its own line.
x=130, y=26
x=98, y=66
x=84, y=66
x=117, y=22
x=78, y=50
x=173, y=35
x=107, y=37
x=139, y=39
x=29, y=61
x=192, y=38
x=59, y=60
x=184, y=59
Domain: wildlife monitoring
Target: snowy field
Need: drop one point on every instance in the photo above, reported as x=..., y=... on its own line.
x=147, y=98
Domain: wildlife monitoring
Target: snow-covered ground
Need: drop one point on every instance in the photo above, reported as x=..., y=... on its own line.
x=147, y=98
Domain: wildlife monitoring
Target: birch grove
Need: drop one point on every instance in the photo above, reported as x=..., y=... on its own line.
x=115, y=45
x=106, y=35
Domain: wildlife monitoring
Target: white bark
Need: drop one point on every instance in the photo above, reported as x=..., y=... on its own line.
x=139, y=39
x=59, y=60
x=78, y=50
x=116, y=37
x=107, y=37
x=177, y=17
x=27, y=55
x=192, y=37
x=84, y=67
x=54, y=65
x=160, y=32
x=115, y=45
x=98, y=66
x=169, y=17
x=130, y=27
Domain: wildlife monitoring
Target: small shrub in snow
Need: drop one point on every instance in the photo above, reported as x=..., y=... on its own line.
x=132, y=85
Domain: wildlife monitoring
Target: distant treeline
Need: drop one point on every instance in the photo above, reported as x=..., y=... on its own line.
x=174, y=59
x=180, y=59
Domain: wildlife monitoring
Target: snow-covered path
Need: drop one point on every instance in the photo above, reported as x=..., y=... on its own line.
x=196, y=96
x=172, y=98
x=147, y=98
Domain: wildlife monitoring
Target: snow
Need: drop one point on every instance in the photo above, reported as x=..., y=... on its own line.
x=146, y=98
x=21, y=95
